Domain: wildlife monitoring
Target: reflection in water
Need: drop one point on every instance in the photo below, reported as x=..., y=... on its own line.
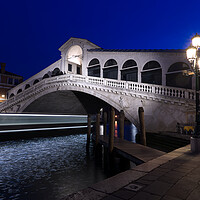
x=46, y=168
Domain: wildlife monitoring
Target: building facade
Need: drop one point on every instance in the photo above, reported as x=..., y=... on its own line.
x=166, y=67
x=8, y=80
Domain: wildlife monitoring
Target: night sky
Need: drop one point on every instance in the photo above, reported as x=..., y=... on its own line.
x=31, y=31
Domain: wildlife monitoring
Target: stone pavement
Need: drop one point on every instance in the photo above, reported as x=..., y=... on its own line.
x=173, y=176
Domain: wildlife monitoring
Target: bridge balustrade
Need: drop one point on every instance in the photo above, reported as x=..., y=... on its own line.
x=127, y=85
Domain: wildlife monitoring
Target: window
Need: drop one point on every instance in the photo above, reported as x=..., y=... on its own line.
x=176, y=76
x=16, y=82
x=10, y=80
x=110, y=69
x=94, y=68
x=129, y=71
x=78, y=69
x=152, y=73
x=70, y=67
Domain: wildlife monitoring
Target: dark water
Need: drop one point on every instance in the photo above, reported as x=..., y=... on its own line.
x=46, y=168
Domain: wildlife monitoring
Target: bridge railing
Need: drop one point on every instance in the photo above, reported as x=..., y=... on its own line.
x=126, y=85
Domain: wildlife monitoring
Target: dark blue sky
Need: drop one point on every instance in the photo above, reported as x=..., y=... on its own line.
x=31, y=31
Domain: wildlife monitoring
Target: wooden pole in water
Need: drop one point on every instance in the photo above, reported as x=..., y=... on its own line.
x=88, y=129
x=142, y=126
x=112, y=130
x=105, y=119
x=97, y=128
x=121, y=124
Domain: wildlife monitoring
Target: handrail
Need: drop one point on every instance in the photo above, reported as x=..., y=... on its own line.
x=115, y=84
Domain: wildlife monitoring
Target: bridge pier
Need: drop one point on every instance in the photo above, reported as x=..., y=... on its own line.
x=121, y=124
x=112, y=130
x=97, y=129
x=105, y=119
x=142, y=126
x=88, y=129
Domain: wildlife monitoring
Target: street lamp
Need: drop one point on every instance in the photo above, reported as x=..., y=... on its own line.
x=193, y=58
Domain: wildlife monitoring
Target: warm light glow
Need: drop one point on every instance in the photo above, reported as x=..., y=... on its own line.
x=3, y=95
x=196, y=41
x=198, y=63
x=191, y=53
x=75, y=55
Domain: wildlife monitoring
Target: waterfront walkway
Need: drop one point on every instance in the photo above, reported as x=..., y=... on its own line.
x=134, y=152
x=173, y=176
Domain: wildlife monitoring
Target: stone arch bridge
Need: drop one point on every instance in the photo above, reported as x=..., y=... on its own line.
x=164, y=106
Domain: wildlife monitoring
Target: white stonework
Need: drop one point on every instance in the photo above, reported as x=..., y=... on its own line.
x=163, y=106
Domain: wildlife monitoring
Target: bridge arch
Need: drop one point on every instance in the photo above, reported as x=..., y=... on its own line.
x=12, y=95
x=19, y=91
x=110, y=69
x=176, y=76
x=27, y=86
x=74, y=59
x=36, y=81
x=129, y=71
x=86, y=91
x=152, y=73
x=45, y=76
x=94, y=68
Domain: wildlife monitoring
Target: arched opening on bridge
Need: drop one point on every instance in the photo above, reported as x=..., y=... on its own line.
x=110, y=69
x=19, y=91
x=152, y=73
x=35, y=81
x=12, y=95
x=129, y=71
x=55, y=72
x=45, y=76
x=94, y=68
x=177, y=76
x=74, y=59
x=27, y=86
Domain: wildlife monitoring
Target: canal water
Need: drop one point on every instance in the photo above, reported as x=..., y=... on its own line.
x=46, y=168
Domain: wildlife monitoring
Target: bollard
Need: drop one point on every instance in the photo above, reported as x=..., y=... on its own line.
x=105, y=119
x=112, y=129
x=88, y=129
x=121, y=124
x=142, y=126
x=97, y=128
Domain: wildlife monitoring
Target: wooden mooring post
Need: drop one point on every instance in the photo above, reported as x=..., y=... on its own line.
x=121, y=124
x=97, y=128
x=142, y=126
x=112, y=130
x=88, y=129
x=105, y=119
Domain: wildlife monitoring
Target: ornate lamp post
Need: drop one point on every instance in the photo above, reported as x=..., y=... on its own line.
x=193, y=57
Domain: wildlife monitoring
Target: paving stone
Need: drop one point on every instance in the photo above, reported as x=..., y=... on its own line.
x=110, y=197
x=148, y=177
x=124, y=194
x=182, y=188
x=86, y=194
x=158, y=172
x=171, y=177
x=145, y=196
x=114, y=183
x=195, y=194
x=158, y=188
x=182, y=168
x=166, y=197
x=144, y=182
x=146, y=167
x=170, y=165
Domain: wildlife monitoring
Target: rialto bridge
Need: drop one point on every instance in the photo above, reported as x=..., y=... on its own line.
x=88, y=78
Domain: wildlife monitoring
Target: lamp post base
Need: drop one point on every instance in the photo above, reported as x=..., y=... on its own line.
x=195, y=144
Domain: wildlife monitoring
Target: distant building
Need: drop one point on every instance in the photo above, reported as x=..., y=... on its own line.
x=8, y=80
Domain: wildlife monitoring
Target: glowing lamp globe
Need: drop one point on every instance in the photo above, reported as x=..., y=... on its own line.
x=191, y=53
x=196, y=41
